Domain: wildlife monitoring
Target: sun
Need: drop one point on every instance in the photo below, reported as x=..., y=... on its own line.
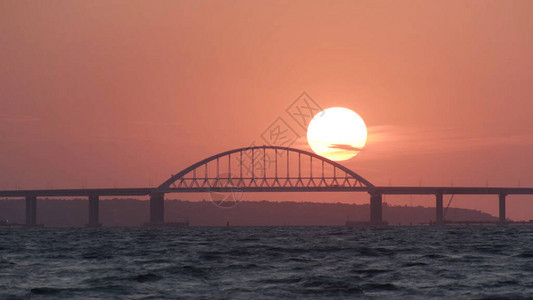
x=337, y=133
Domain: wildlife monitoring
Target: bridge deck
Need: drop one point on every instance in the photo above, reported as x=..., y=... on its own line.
x=77, y=192
x=398, y=190
x=405, y=190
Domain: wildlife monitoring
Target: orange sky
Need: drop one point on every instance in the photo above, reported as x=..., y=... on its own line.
x=125, y=93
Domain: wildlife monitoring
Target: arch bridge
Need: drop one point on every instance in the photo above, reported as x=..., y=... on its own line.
x=260, y=169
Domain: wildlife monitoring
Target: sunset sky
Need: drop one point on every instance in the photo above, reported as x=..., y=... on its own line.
x=126, y=93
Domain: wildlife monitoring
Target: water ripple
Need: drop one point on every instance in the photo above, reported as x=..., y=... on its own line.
x=475, y=262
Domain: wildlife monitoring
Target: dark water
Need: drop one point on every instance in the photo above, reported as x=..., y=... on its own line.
x=267, y=262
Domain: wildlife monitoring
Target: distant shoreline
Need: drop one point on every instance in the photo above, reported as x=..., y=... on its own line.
x=134, y=213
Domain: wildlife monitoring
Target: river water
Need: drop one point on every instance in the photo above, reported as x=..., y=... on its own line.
x=417, y=262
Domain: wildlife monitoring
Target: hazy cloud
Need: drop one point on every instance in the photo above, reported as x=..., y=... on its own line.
x=392, y=141
x=344, y=147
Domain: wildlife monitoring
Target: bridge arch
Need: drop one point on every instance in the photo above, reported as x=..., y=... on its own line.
x=207, y=174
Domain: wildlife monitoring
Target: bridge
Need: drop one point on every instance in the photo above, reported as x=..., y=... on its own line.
x=261, y=169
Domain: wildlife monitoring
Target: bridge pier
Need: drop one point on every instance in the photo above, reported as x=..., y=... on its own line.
x=94, y=211
x=31, y=211
x=376, y=209
x=157, y=209
x=439, y=209
x=502, y=220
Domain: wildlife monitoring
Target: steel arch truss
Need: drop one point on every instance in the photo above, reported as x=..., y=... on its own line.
x=265, y=168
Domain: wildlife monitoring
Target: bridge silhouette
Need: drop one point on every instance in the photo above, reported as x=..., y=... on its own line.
x=261, y=169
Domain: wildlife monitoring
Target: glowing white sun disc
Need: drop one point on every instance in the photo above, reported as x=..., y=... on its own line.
x=337, y=133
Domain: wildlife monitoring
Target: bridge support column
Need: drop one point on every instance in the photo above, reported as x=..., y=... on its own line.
x=502, y=220
x=94, y=211
x=31, y=211
x=376, y=209
x=439, y=209
x=157, y=209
